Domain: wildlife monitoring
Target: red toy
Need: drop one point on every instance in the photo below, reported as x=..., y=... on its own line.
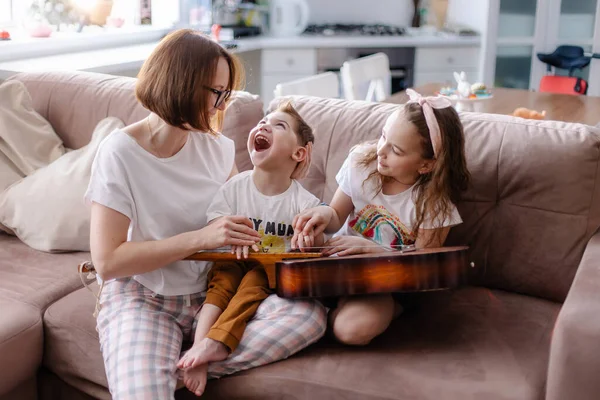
x=4, y=35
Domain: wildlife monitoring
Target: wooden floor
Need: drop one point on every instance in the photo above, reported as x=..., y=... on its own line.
x=559, y=107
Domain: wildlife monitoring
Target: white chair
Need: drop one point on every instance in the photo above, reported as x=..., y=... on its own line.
x=326, y=84
x=367, y=78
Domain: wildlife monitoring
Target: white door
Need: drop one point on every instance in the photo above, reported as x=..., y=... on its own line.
x=516, y=32
x=574, y=22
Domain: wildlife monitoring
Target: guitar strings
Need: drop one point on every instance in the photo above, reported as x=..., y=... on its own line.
x=399, y=247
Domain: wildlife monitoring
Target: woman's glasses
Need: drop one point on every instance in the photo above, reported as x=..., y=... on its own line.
x=222, y=95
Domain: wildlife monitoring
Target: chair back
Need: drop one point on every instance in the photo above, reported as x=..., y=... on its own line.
x=321, y=85
x=367, y=78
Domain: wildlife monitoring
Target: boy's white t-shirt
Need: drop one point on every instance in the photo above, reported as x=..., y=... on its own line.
x=385, y=219
x=162, y=197
x=271, y=216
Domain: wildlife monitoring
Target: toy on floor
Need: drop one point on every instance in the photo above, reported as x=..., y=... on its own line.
x=4, y=35
x=529, y=114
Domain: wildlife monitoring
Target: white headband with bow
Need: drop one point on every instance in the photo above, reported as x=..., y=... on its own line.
x=428, y=104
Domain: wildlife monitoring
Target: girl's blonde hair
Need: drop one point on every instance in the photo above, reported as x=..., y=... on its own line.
x=435, y=192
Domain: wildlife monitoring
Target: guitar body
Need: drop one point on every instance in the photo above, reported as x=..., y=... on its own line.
x=420, y=270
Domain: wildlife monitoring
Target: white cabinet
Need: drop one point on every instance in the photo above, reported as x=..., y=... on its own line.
x=433, y=64
x=283, y=65
x=519, y=29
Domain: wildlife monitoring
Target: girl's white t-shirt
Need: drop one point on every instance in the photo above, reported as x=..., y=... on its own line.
x=385, y=219
x=162, y=197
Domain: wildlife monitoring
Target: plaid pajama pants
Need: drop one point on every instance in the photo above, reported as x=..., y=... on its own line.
x=141, y=335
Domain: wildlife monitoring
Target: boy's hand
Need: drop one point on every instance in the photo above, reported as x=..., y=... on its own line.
x=303, y=241
x=240, y=251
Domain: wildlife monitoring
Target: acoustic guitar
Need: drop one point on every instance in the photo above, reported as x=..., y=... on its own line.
x=296, y=275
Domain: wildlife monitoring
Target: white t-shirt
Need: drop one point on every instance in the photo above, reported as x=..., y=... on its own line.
x=385, y=219
x=272, y=216
x=162, y=197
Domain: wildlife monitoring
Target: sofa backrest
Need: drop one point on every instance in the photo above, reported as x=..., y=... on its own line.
x=74, y=102
x=533, y=204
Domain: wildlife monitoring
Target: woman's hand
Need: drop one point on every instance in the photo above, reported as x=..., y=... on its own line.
x=313, y=220
x=234, y=230
x=347, y=245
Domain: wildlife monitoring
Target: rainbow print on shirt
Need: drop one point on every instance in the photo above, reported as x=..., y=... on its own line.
x=378, y=224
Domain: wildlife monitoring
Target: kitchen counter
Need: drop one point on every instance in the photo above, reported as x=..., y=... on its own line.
x=435, y=40
x=116, y=59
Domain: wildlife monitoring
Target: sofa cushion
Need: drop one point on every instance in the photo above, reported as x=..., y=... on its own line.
x=21, y=343
x=534, y=201
x=60, y=220
x=27, y=140
x=242, y=114
x=74, y=102
x=465, y=344
x=72, y=347
x=34, y=277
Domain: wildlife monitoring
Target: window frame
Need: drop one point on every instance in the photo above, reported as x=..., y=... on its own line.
x=24, y=47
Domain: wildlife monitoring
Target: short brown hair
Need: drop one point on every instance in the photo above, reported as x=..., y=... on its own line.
x=172, y=82
x=302, y=130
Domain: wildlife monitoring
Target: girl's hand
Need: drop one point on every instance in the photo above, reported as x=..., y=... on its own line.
x=302, y=241
x=313, y=220
x=347, y=245
x=240, y=251
x=234, y=230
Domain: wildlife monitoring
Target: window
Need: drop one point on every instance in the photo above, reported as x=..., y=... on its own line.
x=65, y=15
x=19, y=17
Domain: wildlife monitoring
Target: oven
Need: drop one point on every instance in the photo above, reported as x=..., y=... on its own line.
x=402, y=60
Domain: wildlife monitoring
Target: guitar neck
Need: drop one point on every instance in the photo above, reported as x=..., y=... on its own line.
x=263, y=258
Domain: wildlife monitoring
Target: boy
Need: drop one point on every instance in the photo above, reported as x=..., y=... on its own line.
x=279, y=147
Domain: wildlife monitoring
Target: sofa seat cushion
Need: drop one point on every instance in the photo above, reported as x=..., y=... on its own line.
x=35, y=277
x=471, y=343
x=21, y=343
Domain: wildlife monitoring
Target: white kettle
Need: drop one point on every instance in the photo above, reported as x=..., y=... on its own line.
x=288, y=17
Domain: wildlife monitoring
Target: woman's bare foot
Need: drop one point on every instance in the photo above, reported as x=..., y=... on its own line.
x=203, y=352
x=195, y=379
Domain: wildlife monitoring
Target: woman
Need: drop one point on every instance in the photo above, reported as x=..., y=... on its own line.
x=150, y=187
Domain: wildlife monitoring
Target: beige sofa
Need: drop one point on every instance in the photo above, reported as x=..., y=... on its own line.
x=528, y=327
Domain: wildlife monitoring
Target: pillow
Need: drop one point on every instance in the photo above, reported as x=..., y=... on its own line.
x=243, y=113
x=46, y=210
x=27, y=140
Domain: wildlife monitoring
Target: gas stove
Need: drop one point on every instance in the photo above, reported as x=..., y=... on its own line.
x=353, y=30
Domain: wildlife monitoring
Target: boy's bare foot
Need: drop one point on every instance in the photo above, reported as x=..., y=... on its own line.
x=195, y=379
x=203, y=352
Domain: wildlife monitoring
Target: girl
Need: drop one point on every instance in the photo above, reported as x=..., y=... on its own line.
x=397, y=191
x=150, y=188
